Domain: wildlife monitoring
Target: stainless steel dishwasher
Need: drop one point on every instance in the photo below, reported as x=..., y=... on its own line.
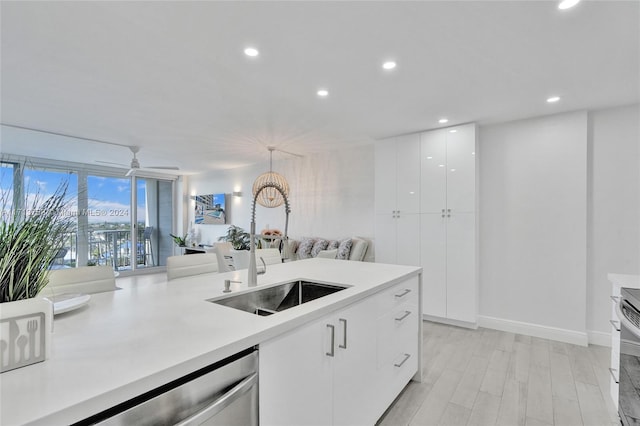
x=225, y=393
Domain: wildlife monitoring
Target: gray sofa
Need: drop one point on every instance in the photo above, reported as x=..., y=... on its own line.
x=351, y=248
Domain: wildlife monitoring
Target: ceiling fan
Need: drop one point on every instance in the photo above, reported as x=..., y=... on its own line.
x=135, y=164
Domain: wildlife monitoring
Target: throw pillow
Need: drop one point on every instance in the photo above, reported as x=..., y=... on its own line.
x=358, y=249
x=319, y=245
x=333, y=244
x=344, y=249
x=293, y=247
x=304, y=249
x=328, y=254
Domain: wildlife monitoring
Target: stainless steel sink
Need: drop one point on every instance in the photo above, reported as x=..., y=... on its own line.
x=269, y=300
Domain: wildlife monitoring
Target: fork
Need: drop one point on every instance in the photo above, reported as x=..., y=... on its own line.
x=32, y=327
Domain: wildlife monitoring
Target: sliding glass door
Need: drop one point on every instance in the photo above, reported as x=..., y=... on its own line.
x=129, y=229
x=108, y=217
x=154, y=222
x=120, y=221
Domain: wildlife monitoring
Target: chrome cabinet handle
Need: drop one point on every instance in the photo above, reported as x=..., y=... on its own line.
x=333, y=340
x=615, y=298
x=406, y=314
x=615, y=324
x=406, y=357
x=613, y=374
x=404, y=293
x=344, y=338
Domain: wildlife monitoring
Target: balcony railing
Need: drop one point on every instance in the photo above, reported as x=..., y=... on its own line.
x=106, y=247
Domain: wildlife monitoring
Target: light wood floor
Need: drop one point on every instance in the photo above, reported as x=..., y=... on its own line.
x=488, y=377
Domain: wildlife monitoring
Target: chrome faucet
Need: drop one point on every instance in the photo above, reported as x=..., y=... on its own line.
x=264, y=267
x=252, y=274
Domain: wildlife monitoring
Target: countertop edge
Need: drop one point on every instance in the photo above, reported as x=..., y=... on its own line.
x=93, y=405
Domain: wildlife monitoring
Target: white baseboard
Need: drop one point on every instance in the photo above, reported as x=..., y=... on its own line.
x=599, y=338
x=535, y=330
x=448, y=321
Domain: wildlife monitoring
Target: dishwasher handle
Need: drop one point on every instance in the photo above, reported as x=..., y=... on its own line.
x=219, y=404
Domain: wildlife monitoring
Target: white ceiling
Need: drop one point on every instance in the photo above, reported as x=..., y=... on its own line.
x=172, y=78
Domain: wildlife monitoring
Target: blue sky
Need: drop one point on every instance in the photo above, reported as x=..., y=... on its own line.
x=109, y=195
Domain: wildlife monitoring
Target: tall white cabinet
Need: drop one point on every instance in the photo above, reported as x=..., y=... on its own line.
x=448, y=222
x=444, y=236
x=397, y=201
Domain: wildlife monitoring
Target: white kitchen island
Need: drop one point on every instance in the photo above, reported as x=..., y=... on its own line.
x=150, y=332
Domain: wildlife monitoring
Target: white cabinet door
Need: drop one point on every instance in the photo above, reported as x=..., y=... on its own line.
x=461, y=267
x=385, y=176
x=397, y=189
x=433, y=159
x=461, y=169
x=408, y=174
x=385, y=241
x=296, y=377
x=433, y=241
x=355, y=379
x=448, y=163
x=407, y=239
x=330, y=371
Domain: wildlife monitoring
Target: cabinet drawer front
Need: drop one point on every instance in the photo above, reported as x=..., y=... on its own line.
x=397, y=330
x=398, y=370
x=398, y=295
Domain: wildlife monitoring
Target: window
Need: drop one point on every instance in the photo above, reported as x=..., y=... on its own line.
x=6, y=190
x=114, y=225
x=42, y=183
x=108, y=217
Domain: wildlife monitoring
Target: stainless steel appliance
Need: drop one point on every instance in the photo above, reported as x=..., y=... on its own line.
x=225, y=393
x=628, y=311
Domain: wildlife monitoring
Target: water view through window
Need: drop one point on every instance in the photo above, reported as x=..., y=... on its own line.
x=113, y=226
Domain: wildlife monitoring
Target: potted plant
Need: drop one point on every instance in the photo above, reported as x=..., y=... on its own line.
x=180, y=241
x=238, y=237
x=29, y=241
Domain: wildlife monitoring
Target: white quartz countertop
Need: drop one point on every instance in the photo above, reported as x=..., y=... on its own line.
x=624, y=280
x=129, y=341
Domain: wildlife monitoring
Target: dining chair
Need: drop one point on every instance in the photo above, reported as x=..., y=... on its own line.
x=271, y=256
x=85, y=279
x=191, y=264
x=225, y=259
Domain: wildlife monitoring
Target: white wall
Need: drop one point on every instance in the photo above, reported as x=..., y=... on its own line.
x=331, y=195
x=559, y=209
x=614, y=206
x=533, y=223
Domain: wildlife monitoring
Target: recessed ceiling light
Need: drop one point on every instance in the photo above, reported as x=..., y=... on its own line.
x=323, y=92
x=443, y=120
x=567, y=4
x=553, y=99
x=429, y=158
x=250, y=51
x=389, y=65
x=440, y=165
x=453, y=131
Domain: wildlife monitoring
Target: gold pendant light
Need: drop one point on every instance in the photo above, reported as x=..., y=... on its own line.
x=270, y=197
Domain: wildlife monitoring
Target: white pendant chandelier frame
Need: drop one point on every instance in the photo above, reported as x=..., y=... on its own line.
x=270, y=197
